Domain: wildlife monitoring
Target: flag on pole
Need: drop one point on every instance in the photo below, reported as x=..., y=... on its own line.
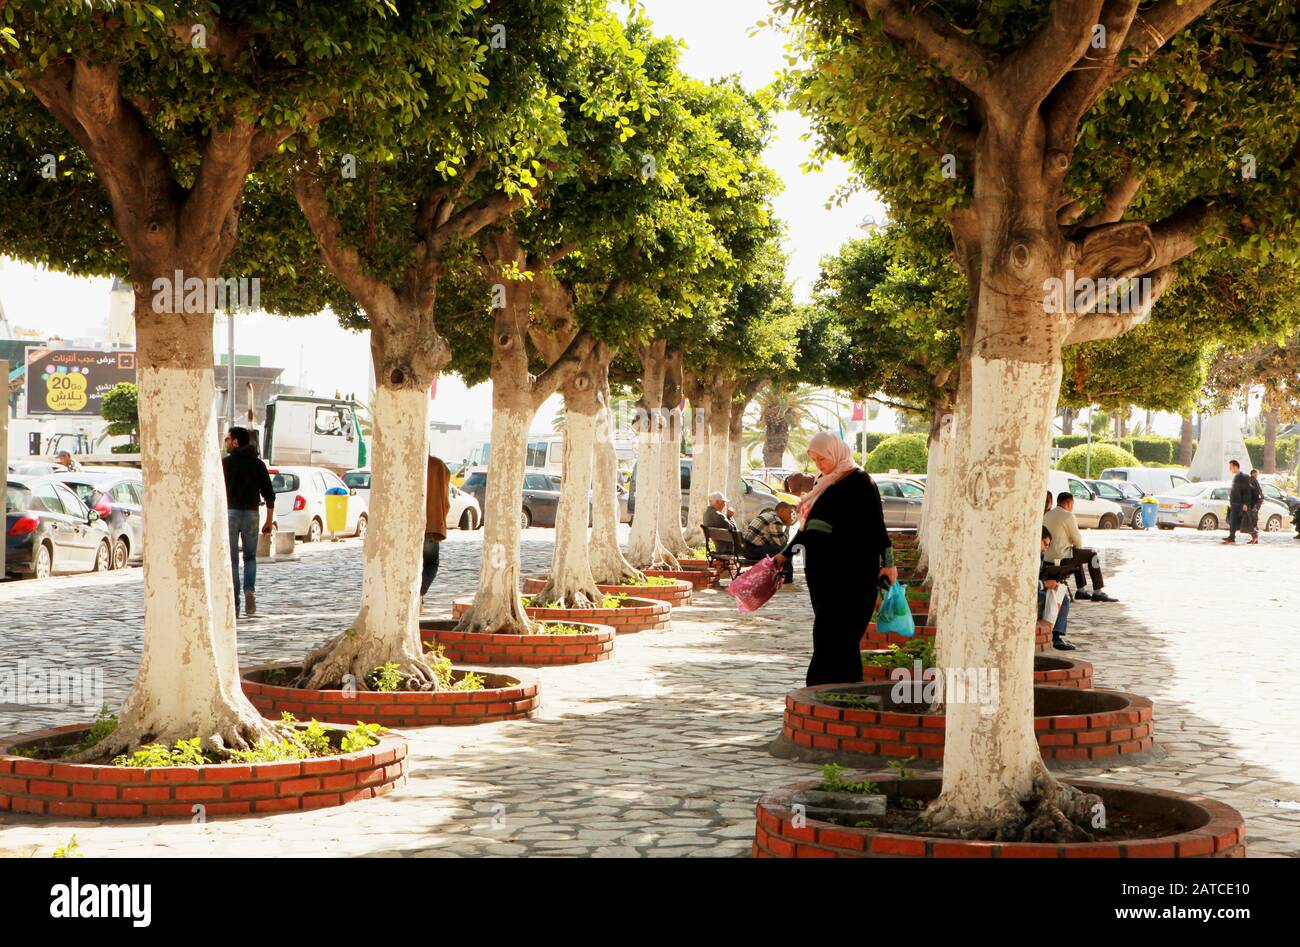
x=433, y=388
x=859, y=411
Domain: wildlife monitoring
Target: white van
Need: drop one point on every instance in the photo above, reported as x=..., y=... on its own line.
x=1151, y=480
x=312, y=432
x=1089, y=509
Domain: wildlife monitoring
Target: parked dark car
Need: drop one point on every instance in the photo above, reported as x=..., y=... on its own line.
x=1121, y=492
x=117, y=497
x=1273, y=492
x=541, y=496
x=48, y=530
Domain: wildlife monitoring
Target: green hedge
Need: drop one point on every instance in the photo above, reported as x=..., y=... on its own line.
x=906, y=453
x=1286, y=451
x=1075, y=460
x=1148, y=450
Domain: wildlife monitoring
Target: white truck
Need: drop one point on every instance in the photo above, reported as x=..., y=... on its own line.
x=312, y=432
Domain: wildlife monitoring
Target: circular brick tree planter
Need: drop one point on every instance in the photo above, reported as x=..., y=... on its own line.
x=1048, y=670
x=501, y=698
x=48, y=787
x=1072, y=725
x=875, y=638
x=636, y=614
x=1200, y=828
x=519, y=650
x=700, y=578
x=679, y=593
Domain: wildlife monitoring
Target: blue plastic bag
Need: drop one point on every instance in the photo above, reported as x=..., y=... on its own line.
x=895, y=614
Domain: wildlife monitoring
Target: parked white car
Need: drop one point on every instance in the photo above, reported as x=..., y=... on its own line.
x=300, y=502
x=1204, y=505
x=463, y=513
x=1152, y=480
x=1090, y=510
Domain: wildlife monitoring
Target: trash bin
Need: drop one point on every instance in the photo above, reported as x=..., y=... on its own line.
x=1149, y=510
x=336, y=509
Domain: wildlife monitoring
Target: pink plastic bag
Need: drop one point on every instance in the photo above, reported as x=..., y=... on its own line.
x=756, y=585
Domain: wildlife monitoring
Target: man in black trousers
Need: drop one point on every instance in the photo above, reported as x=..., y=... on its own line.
x=1239, y=502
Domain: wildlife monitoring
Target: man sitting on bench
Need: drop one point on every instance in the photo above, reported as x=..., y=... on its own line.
x=1067, y=549
x=766, y=535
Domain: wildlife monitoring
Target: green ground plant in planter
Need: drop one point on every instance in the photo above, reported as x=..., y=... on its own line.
x=904, y=656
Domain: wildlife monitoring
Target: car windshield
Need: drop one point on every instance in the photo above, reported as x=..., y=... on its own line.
x=475, y=480
x=18, y=499
x=357, y=480
x=1187, y=489
x=284, y=482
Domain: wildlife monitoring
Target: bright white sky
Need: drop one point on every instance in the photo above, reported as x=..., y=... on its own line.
x=331, y=359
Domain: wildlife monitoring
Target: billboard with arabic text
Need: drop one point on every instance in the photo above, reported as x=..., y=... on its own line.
x=73, y=382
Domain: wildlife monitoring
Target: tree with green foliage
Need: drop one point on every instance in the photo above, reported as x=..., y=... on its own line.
x=905, y=453
x=128, y=132
x=1076, y=151
x=121, y=409
x=1089, y=460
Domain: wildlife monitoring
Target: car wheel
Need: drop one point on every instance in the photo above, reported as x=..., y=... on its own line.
x=1208, y=521
x=103, y=557
x=1108, y=522
x=525, y=519
x=121, y=554
x=1137, y=518
x=1274, y=524
x=44, y=562
x=466, y=520
x=314, y=531
x=363, y=523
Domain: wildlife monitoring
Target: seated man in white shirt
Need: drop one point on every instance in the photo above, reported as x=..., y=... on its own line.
x=1067, y=549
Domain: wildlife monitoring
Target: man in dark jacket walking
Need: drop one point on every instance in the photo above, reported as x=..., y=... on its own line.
x=1239, y=502
x=1256, y=504
x=247, y=482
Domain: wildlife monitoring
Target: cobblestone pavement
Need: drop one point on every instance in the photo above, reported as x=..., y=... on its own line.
x=662, y=750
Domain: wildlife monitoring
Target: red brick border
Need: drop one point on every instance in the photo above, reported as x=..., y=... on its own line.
x=679, y=593
x=701, y=578
x=636, y=614
x=1048, y=669
x=47, y=787
x=825, y=730
x=1211, y=830
x=504, y=698
x=874, y=638
x=516, y=650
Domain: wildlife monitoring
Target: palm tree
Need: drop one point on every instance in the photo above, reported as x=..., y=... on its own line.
x=788, y=418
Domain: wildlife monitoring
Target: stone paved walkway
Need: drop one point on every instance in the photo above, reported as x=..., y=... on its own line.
x=661, y=751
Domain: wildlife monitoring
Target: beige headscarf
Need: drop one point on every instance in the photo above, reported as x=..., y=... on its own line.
x=828, y=445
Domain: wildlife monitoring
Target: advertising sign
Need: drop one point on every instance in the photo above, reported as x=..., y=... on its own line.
x=63, y=382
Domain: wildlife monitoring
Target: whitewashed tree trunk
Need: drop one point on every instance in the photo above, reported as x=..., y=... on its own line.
x=735, y=429
x=670, y=482
x=645, y=550
x=188, y=683
x=991, y=759
x=936, y=481
x=693, y=534
x=571, y=583
x=608, y=564
x=387, y=627
x=719, y=437
x=496, y=607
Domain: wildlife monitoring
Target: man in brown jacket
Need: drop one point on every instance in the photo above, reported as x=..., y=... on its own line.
x=437, y=501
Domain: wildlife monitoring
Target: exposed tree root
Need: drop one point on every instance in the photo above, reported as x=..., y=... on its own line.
x=1054, y=813
x=507, y=618
x=233, y=729
x=571, y=593
x=348, y=658
x=620, y=573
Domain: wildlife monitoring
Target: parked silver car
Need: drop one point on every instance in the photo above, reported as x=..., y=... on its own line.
x=1204, y=505
x=902, y=499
